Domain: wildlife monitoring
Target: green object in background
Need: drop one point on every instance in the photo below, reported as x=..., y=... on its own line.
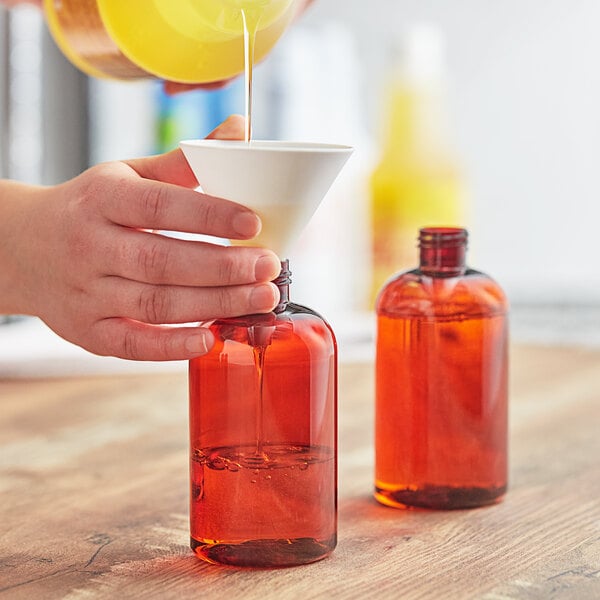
x=194, y=114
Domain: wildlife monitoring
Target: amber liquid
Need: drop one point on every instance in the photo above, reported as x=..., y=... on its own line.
x=234, y=497
x=263, y=442
x=441, y=384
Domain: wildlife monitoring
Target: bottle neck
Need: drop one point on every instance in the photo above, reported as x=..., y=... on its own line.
x=282, y=281
x=443, y=251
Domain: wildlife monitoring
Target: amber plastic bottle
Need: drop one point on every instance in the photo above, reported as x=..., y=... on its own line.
x=441, y=381
x=263, y=431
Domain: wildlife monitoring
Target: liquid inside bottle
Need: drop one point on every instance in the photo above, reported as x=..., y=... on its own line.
x=263, y=440
x=441, y=382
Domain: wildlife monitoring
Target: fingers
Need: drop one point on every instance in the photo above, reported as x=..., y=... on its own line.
x=137, y=341
x=233, y=128
x=143, y=280
x=151, y=203
x=172, y=87
x=159, y=304
x=171, y=167
x=148, y=204
x=152, y=258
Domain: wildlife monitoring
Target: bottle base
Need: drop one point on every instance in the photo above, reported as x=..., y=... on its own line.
x=440, y=497
x=264, y=553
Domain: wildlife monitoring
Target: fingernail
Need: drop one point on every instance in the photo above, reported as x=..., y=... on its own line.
x=199, y=343
x=263, y=297
x=267, y=267
x=246, y=224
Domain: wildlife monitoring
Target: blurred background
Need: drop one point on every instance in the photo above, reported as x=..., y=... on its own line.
x=508, y=95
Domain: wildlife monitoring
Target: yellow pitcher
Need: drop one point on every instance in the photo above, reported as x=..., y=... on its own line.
x=187, y=41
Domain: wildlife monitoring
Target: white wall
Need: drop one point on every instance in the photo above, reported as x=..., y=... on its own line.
x=525, y=104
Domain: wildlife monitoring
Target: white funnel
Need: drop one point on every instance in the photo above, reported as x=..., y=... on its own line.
x=283, y=182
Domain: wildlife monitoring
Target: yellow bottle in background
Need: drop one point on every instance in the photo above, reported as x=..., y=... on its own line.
x=188, y=41
x=417, y=182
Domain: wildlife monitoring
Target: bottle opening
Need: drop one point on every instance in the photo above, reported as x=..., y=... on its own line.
x=443, y=236
x=443, y=251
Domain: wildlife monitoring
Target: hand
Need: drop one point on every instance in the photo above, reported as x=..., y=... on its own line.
x=84, y=261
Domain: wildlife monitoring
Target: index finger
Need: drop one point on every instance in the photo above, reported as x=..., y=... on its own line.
x=146, y=204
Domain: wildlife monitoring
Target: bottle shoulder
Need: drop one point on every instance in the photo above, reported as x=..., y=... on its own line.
x=413, y=293
x=296, y=324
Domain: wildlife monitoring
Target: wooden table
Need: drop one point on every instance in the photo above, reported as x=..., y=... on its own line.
x=94, y=494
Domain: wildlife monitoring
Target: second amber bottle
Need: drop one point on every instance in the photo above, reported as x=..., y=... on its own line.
x=441, y=381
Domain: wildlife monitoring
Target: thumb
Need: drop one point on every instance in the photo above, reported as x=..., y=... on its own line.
x=172, y=167
x=231, y=128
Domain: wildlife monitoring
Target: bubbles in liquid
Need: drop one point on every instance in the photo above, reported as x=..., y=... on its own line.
x=218, y=464
x=197, y=492
x=274, y=456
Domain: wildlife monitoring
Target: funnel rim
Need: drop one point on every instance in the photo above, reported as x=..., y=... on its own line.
x=266, y=146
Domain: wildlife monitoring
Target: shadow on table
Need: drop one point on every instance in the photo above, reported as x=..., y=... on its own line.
x=363, y=523
x=365, y=518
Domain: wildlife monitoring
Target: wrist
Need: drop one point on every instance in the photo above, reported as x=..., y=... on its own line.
x=16, y=207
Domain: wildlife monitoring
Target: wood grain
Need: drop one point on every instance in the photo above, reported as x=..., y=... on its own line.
x=93, y=498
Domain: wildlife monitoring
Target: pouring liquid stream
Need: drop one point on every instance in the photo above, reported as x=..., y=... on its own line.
x=259, y=339
x=250, y=20
x=259, y=361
